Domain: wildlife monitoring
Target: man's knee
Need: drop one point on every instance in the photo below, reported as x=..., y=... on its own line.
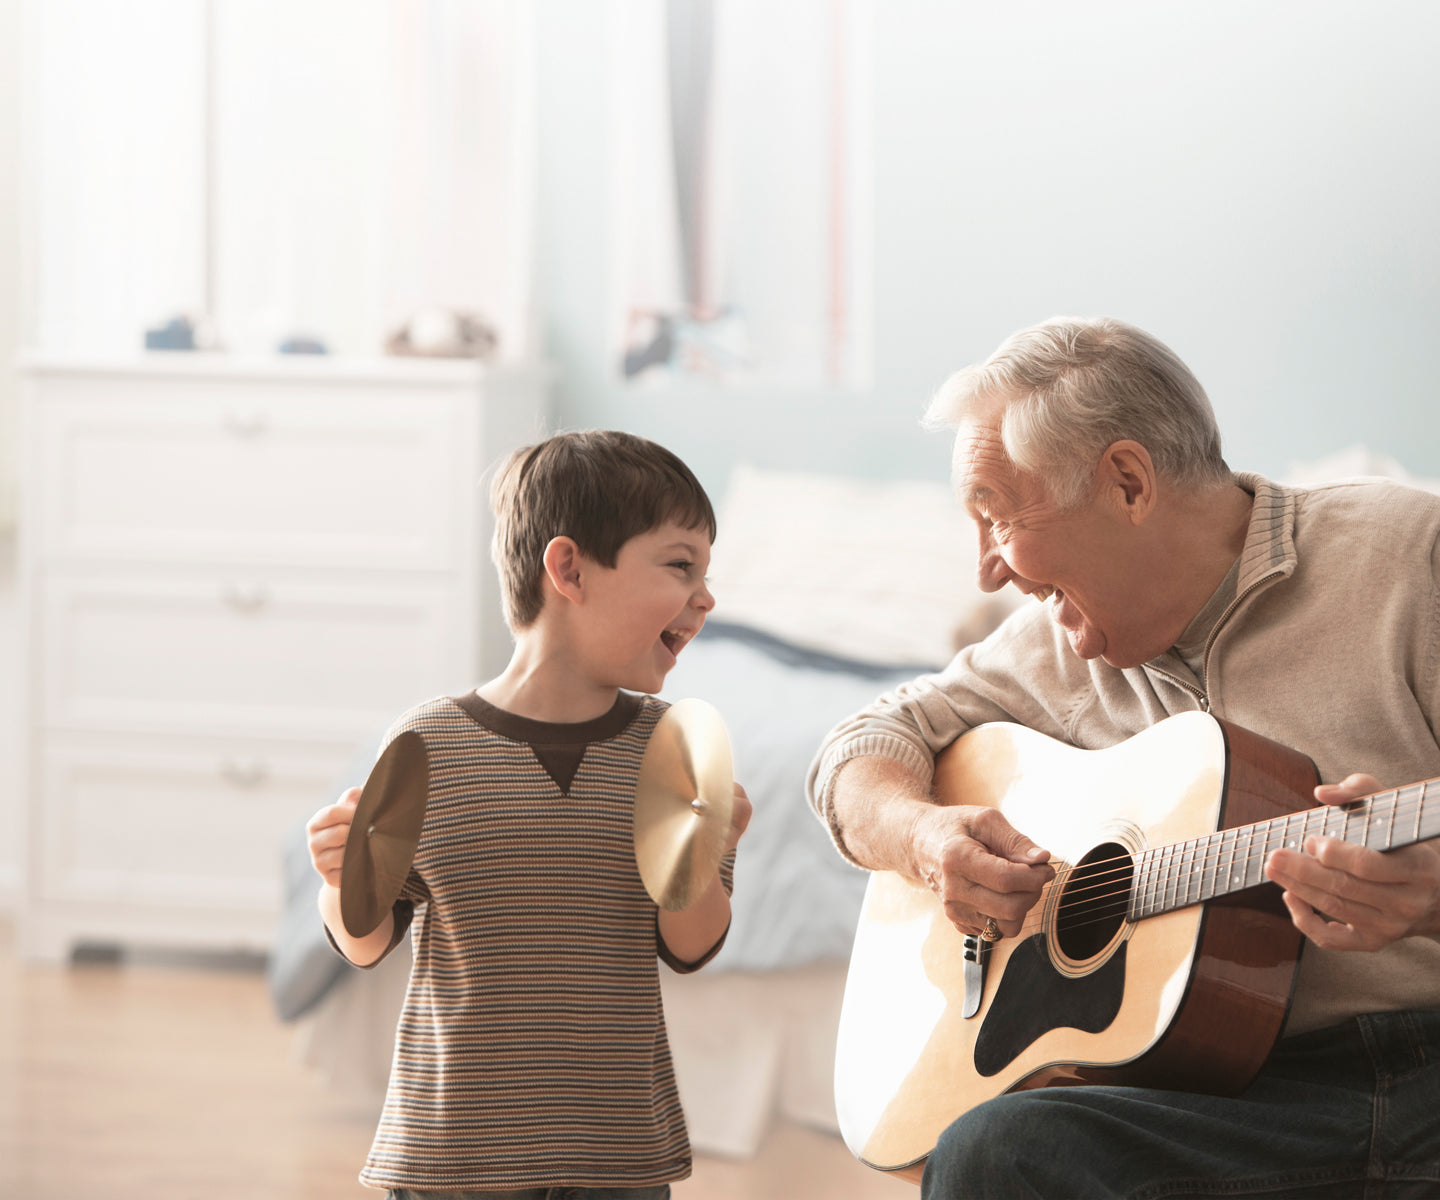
x=991, y=1150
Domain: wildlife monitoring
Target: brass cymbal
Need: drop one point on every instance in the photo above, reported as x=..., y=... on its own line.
x=384, y=833
x=683, y=799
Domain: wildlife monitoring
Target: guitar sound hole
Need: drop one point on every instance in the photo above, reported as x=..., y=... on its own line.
x=1093, y=905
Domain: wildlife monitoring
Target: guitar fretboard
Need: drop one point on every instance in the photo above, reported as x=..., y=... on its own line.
x=1186, y=873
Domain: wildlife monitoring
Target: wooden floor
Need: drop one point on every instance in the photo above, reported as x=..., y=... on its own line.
x=174, y=1081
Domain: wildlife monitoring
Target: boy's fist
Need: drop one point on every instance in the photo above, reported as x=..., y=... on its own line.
x=740, y=810
x=326, y=833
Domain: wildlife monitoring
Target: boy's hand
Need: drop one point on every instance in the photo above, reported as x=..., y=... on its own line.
x=740, y=810
x=326, y=833
x=691, y=933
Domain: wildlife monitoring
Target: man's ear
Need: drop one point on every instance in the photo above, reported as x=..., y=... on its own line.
x=563, y=568
x=1128, y=473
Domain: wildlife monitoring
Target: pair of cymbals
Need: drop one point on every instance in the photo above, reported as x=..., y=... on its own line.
x=683, y=801
x=384, y=833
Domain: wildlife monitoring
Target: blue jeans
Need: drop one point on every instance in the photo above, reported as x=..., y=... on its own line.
x=1352, y=1111
x=661, y=1192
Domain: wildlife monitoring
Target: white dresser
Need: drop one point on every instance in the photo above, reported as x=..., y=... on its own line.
x=232, y=574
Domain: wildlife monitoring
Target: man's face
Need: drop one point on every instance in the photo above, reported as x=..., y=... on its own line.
x=1082, y=564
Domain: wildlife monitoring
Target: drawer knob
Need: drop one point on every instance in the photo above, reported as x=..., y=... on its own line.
x=246, y=598
x=247, y=774
x=244, y=424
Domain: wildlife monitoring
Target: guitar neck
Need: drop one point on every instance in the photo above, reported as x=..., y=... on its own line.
x=1191, y=872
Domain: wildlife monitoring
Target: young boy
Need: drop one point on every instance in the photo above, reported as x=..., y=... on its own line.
x=531, y=1051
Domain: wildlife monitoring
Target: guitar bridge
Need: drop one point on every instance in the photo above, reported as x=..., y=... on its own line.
x=977, y=952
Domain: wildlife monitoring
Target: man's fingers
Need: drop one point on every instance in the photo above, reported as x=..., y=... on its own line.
x=1367, y=899
x=989, y=887
x=991, y=828
x=1352, y=787
x=980, y=867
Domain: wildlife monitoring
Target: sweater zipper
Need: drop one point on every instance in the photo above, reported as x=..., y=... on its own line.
x=1202, y=693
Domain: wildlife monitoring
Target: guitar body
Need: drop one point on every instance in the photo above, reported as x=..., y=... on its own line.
x=1192, y=998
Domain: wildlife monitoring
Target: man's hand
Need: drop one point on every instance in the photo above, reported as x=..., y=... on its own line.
x=1348, y=897
x=326, y=833
x=979, y=866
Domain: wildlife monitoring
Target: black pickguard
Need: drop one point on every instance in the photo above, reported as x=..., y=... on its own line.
x=1034, y=998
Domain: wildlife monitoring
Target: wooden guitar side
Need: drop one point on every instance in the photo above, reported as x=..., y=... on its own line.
x=1191, y=998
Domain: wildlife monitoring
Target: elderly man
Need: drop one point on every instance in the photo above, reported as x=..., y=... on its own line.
x=1088, y=457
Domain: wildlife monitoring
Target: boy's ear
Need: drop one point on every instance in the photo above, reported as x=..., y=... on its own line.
x=562, y=567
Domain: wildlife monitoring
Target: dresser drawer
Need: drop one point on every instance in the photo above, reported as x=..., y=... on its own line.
x=224, y=471
x=182, y=823
x=247, y=654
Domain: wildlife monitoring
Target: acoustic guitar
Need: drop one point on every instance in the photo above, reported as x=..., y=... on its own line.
x=1158, y=956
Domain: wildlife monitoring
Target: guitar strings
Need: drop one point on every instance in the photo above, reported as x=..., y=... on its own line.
x=1106, y=873
x=1100, y=912
x=1203, y=861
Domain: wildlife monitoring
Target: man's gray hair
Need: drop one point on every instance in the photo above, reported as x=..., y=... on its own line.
x=1075, y=385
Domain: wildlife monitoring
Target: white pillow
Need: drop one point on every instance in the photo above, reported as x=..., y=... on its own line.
x=1356, y=461
x=877, y=571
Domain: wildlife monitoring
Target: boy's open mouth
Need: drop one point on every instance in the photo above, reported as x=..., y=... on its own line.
x=675, y=640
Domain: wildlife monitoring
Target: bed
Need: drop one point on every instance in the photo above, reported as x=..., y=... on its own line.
x=830, y=591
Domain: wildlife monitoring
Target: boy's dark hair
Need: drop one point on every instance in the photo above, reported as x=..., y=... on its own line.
x=599, y=487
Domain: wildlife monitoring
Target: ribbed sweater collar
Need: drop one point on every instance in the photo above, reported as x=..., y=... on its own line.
x=1270, y=542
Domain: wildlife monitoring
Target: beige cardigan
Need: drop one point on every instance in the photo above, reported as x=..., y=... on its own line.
x=1332, y=647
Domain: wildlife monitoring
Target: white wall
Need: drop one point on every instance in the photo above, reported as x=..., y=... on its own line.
x=1247, y=180
x=347, y=162
x=1255, y=181
x=116, y=168
x=11, y=275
